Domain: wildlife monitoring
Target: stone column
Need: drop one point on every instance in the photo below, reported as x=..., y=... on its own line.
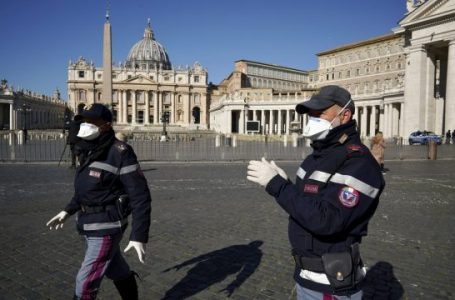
x=386, y=120
x=155, y=107
x=401, y=134
x=186, y=109
x=119, y=106
x=242, y=122
x=255, y=117
x=147, y=108
x=288, y=120
x=373, y=121
x=160, y=106
x=363, y=129
x=450, y=89
x=11, y=122
x=416, y=85
x=133, y=107
x=381, y=119
x=280, y=122
x=395, y=117
x=263, y=121
x=272, y=122
x=228, y=112
x=125, y=107
x=172, y=120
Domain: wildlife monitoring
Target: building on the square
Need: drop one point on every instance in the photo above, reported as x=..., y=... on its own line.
x=23, y=109
x=262, y=92
x=373, y=72
x=143, y=87
x=400, y=81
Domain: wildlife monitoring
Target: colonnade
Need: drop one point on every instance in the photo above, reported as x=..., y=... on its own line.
x=387, y=117
x=146, y=107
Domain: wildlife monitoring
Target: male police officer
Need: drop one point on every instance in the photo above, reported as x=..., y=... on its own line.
x=108, y=171
x=336, y=193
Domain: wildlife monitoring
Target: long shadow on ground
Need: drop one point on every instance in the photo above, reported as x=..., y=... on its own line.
x=214, y=267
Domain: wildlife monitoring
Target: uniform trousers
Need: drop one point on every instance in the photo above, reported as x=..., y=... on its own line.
x=307, y=294
x=103, y=257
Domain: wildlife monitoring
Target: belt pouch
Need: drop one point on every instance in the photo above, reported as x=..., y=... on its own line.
x=339, y=270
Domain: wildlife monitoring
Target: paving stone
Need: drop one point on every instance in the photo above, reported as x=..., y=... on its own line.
x=206, y=214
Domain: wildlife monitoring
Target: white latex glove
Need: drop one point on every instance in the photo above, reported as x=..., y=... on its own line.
x=140, y=249
x=280, y=171
x=58, y=220
x=261, y=171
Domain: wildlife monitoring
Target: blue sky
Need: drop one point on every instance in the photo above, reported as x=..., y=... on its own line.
x=38, y=38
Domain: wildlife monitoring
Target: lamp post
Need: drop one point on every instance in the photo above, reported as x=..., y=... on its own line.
x=24, y=108
x=164, y=120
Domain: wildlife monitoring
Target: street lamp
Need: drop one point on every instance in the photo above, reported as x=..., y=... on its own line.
x=24, y=108
x=164, y=120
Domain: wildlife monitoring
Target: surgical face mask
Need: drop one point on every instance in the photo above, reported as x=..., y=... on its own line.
x=317, y=128
x=88, y=131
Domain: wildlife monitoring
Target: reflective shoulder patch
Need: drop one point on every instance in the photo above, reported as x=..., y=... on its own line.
x=348, y=196
x=301, y=173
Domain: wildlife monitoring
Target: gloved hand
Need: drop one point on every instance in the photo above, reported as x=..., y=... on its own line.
x=261, y=171
x=280, y=171
x=140, y=249
x=58, y=220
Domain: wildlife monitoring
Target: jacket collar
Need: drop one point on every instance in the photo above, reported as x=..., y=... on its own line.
x=336, y=138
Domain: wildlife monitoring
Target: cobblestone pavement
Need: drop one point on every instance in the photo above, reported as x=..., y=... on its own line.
x=215, y=234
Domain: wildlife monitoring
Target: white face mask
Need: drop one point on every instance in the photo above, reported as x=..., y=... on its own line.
x=317, y=128
x=88, y=131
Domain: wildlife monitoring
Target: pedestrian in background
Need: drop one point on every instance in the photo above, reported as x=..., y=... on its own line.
x=448, y=137
x=336, y=193
x=453, y=136
x=109, y=184
x=378, y=148
x=73, y=140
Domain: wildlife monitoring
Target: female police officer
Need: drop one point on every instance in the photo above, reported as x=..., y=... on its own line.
x=108, y=185
x=336, y=193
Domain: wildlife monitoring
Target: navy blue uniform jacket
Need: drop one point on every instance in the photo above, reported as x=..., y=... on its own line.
x=101, y=182
x=336, y=193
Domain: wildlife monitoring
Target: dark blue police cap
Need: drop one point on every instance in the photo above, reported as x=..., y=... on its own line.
x=328, y=95
x=97, y=111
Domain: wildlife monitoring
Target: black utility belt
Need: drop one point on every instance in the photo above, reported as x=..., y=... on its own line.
x=97, y=209
x=340, y=267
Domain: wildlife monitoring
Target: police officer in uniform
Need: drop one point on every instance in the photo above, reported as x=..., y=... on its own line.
x=109, y=185
x=336, y=193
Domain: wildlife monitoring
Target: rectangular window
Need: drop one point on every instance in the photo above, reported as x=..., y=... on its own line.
x=196, y=78
x=81, y=74
x=140, y=116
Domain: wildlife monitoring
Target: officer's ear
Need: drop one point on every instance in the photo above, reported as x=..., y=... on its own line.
x=346, y=116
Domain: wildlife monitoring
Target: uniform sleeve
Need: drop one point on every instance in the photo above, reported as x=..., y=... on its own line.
x=72, y=207
x=135, y=185
x=350, y=197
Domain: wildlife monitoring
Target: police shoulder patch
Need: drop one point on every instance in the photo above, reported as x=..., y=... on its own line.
x=348, y=196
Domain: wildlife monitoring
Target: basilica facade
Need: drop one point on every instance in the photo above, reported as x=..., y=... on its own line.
x=142, y=88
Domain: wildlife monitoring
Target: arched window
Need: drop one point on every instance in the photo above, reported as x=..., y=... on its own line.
x=196, y=113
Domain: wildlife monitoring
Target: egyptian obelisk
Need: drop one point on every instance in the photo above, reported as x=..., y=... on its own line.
x=107, y=63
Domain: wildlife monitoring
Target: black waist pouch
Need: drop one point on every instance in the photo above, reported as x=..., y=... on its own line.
x=123, y=206
x=341, y=268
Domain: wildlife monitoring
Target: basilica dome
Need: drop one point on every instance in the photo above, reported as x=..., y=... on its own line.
x=148, y=53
